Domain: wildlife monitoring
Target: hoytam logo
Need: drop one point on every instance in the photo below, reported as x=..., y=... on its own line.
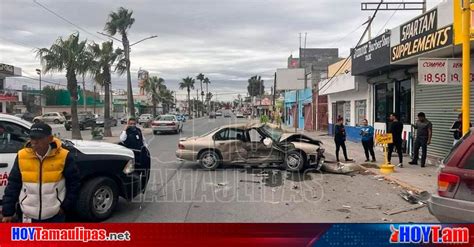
x=73, y=234
x=435, y=234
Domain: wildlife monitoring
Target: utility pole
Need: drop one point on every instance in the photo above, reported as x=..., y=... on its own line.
x=95, y=97
x=274, y=90
x=197, y=103
x=38, y=71
x=127, y=48
x=466, y=65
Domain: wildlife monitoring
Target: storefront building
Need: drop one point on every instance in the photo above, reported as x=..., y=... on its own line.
x=434, y=58
x=8, y=97
x=347, y=98
x=298, y=109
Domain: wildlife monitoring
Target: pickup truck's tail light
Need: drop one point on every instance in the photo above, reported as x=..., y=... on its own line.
x=180, y=146
x=447, y=184
x=129, y=167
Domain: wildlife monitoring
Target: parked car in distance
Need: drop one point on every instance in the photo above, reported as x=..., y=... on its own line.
x=107, y=171
x=252, y=143
x=218, y=114
x=239, y=115
x=166, y=123
x=144, y=118
x=227, y=114
x=124, y=119
x=454, y=200
x=101, y=122
x=212, y=114
x=85, y=121
x=50, y=117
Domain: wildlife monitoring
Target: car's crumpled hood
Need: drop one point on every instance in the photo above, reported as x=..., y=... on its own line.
x=286, y=136
x=102, y=148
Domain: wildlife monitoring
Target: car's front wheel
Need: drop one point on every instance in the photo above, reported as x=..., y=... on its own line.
x=56, y=121
x=295, y=161
x=209, y=160
x=98, y=199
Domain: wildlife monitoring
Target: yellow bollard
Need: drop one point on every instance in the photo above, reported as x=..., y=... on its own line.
x=386, y=167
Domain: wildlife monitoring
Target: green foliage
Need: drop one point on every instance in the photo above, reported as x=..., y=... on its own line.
x=264, y=119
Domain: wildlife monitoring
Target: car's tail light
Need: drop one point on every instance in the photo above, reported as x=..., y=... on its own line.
x=171, y=124
x=180, y=146
x=154, y=124
x=129, y=167
x=447, y=184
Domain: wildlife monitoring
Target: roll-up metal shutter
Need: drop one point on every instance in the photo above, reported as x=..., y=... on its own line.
x=441, y=104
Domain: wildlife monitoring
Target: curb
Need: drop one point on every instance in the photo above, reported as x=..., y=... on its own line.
x=400, y=183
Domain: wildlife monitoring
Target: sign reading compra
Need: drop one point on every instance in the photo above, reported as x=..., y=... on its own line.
x=441, y=71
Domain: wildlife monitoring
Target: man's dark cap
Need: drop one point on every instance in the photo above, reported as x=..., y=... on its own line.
x=40, y=130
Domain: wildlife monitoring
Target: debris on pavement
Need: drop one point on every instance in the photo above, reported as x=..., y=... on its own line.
x=221, y=184
x=411, y=197
x=373, y=207
x=340, y=168
x=295, y=187
x=249, y=181
x=343, y=210
x=404, y=209
x=346, y=206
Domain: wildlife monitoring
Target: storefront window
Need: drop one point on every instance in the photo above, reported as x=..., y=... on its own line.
x=347, y=113
x=383, y=101
x=360, y=110
x=404, y=101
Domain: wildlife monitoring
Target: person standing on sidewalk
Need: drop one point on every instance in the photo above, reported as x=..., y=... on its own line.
x=367, y=133
x=395, y=128
x=456, y=128
x=44, y=179
x=340, y=138
x=424, y=131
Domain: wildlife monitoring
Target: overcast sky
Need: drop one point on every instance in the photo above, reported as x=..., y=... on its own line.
x=227, y=40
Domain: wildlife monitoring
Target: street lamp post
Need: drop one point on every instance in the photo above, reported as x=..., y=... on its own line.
x=38, y=71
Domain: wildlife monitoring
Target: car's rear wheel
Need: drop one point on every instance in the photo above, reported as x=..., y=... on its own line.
x=155, y=132
x=98, y=199
x=36, y=121
x=209, y=160
x=68, y=128
x=295, y=161
x=56, y=121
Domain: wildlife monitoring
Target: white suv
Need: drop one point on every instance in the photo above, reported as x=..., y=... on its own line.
x=51, y=117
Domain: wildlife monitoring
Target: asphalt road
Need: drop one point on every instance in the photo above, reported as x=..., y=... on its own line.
x=182, y=192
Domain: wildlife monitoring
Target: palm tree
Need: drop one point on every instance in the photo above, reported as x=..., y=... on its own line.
x=187, y=83
x=256, y=86
x=120, y=22
x=154, y=85
x=200, y=77
x=104, y=57
x=207, y=82
x=66, y=55
x=167, y=99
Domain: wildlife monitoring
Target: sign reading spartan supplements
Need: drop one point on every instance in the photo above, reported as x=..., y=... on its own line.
x=371, y=55
x=421, y=35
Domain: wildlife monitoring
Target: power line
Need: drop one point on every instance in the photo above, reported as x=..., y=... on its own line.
x=391, y=16
x=66, y=20
x=350, y=54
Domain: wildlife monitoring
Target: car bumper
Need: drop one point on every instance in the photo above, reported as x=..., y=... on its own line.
x=131, y=185
x=451, y=210
x=188, y=155
x=165, y=128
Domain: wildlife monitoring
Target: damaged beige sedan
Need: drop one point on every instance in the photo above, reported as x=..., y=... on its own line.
x=253, y=143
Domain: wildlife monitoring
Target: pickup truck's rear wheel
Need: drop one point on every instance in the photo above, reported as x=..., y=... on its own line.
x=209, y=160
x=295, y=161
x=98, y=199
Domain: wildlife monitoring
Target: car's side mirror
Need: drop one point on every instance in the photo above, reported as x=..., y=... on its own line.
x=267, y=142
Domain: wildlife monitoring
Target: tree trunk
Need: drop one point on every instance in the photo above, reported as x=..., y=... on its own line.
x=130, y=104
x=84, y=92
x=72, y=87
x=202, y=101
x=107, y=127
x=189, y=102
x=208, y=99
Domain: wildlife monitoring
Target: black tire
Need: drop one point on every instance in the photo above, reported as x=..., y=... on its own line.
x=295, y=161
x=68, y=128
x=81, y=127
x=36, y=121
x=56, y=121
x=107, y=189
x=155, y=132
x=209, y=160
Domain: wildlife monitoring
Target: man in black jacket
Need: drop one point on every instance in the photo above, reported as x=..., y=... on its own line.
x=396, y=129
x=44, y=179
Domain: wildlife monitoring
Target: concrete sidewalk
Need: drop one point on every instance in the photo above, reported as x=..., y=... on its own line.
x=411, y=177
